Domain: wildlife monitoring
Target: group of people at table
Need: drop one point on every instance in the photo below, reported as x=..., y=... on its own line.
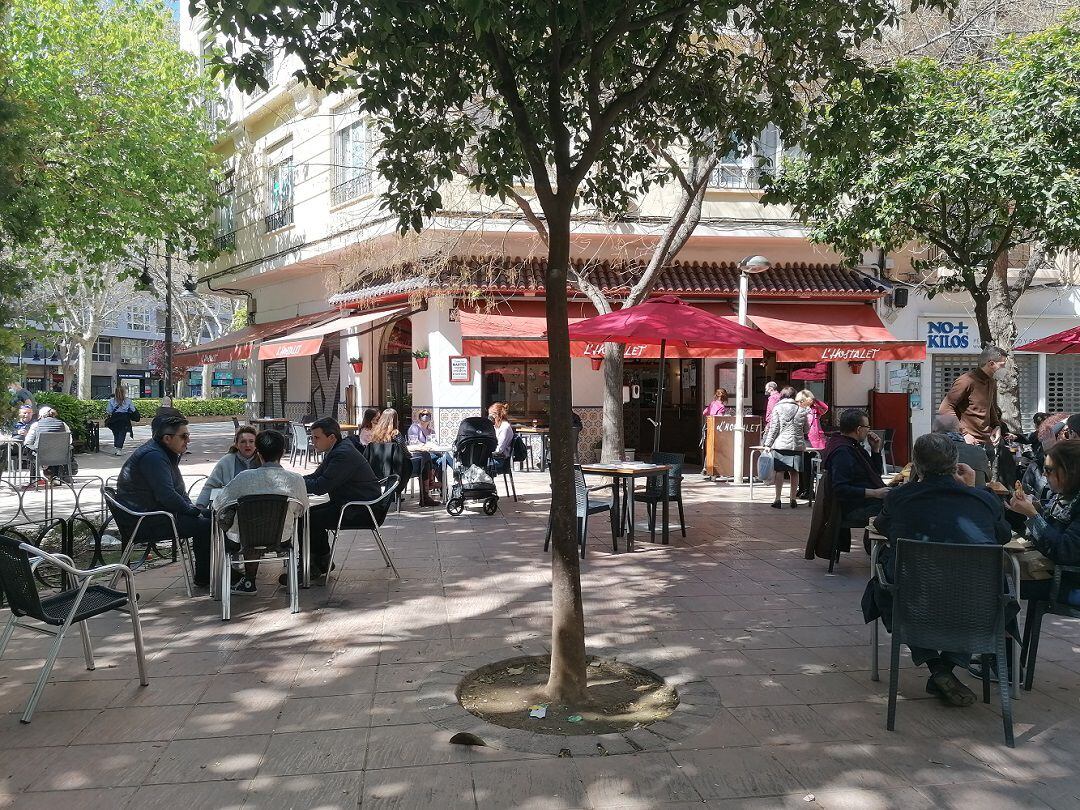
x=963, y=486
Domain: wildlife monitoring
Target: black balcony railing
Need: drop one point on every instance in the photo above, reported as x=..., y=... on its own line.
x=279, y=219
x=734, y=176
x=225, y=242
x=350, y=189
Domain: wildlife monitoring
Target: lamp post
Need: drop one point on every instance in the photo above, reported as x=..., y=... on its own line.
x=751, y=264
x=168, y=322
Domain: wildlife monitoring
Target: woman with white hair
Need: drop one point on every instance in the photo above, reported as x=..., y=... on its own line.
x=47, y=422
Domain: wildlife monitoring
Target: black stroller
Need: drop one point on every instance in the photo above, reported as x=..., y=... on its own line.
x=473, y=447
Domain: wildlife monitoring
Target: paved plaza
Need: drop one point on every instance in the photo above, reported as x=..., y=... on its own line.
x=322, y=709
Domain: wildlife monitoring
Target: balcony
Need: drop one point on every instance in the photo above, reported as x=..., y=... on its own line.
x=351, y=189
x=279, y=219
x=226, y=242
x=735, y=176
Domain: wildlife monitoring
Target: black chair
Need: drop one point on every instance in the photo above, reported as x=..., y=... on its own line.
x=57, y=613
x=390, y=459
x=1036, y=610
x=506, y=471
x=264, y=528
x=162, y=526
x=827, y=509
x=936, y=607
x=585, y=507
x=377, y=511
x=654, y=489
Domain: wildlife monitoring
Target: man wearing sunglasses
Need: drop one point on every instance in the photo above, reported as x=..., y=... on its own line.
x=150, y=480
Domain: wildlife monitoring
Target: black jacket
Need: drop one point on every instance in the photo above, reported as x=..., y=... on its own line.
x=150, y=479
x=344, y=475
x=851, y=470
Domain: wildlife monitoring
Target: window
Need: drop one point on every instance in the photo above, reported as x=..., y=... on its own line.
x=102, y=351
x=131, y=352
x=522, y=384
x=225, y=240
x=101, y=386
x=215, y=108
x=139, y=319
x=740, y=170
x=352, y=177
x=280, y=195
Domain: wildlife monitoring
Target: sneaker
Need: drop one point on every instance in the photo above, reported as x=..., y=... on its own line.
x=244, y=585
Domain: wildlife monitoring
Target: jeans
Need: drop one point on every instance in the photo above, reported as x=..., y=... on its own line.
x=118, y=437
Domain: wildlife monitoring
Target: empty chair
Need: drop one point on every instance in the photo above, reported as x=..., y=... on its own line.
x=583, y=508
x=57, y=613
x=148, y=528
x=1056, y=605
x=266, y=525
x=301, y=444
x=654, y=489
x=390, y=459
x=375, y=512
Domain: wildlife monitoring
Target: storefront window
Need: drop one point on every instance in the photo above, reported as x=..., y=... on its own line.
x=397, y=370
x=523, y=384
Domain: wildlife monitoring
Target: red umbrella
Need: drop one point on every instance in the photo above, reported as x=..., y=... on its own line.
x=816, y=372
x=665, y=320
x=1067, y=342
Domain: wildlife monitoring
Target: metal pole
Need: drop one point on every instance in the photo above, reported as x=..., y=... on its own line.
x=168, y=325
x=740, y=374
x=659, y=399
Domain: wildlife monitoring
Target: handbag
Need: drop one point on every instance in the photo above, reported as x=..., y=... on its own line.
x=135, y=415
x=765, y=466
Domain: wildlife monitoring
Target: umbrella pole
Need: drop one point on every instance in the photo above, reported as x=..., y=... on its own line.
x=659, y=398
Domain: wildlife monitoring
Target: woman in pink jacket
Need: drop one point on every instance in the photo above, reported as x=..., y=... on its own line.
x=815, y=438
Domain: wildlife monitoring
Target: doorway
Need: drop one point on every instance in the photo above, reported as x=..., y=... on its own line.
x=680, y=412
x=780, y=373
x=397, y=370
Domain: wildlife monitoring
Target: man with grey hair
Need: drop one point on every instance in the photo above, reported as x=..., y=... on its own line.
x=973, y=400
x=946, y=424
x=944, y=506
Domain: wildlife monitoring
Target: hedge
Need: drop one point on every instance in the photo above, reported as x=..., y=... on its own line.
x=76, y=412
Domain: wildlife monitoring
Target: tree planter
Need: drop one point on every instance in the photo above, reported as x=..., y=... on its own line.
x=421, y=362
x=357, y=365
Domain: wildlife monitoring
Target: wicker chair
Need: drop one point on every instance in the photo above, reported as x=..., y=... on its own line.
x=654, y=489
x=1036, y=609
x=934, y=607
x=585, y=507
x=57, y=613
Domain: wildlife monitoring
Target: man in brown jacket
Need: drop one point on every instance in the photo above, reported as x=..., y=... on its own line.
x=973, y=399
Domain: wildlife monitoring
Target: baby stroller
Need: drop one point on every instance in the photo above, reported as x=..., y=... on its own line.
x=473, y=447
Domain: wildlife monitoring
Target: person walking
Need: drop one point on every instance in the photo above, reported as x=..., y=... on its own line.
x=786, y=438
x=120, y=412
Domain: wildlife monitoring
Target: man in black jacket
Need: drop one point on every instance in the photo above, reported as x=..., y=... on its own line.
x=855, y=475
x=150, y=480
x=344, y=475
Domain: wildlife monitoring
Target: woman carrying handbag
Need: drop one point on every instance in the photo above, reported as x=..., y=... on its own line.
x=786, y=438
x=119, y=414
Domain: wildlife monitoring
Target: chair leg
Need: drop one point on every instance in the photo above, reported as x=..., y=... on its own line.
x=547, y=535
x=834, y=553
x=894, y=681
x=385, y=553
x=986, y=677
x=682, y=518
x=136, y=632
x=650, y=511
x=875, y=675
x=187, y=557
x=1006, y=698
x=1033, y=648
x=46, y=670
x=582, y=528
x=9, y=630
x=294, y=580
x=513, y=486
x=87, y=645
x=226, y=586
x=1014, y=669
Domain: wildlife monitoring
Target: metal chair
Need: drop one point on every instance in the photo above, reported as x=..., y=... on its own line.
x=58, y=612
x=1036, y=609
x=377, y=511
x=654, y=489
x=507, y=471
x=262, y=522
x=935, y=607
x=129, y=522
x=585, y=506
x=53, y=450
x=301, y=444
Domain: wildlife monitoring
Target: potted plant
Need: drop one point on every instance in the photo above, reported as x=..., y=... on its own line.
x=422, y=356
x=357, y=364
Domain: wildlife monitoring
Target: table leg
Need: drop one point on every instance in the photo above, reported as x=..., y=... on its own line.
x=752, y=471
x=307, y=549
x=666, y=483
x=630, y=512
x=215, y=557
x=616, y=512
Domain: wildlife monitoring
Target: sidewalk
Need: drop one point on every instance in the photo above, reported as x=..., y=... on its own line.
x=323, y=708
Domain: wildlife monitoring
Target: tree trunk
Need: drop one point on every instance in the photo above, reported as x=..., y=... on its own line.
x=613, y=437
x=567, y=680
x=1001, y=323
x=83, y=364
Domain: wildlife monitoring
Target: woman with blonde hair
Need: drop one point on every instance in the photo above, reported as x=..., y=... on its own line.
x=241, y=456
x=815, y=438
x=385, y=429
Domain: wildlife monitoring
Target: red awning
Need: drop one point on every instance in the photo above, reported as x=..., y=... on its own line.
x=517, y=329
x=307, y=342
x=237, y=345
x=828, y=332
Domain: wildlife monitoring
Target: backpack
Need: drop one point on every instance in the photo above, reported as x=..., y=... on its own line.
x=519, y=451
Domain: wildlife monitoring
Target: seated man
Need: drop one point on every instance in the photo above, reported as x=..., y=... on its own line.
x=948, y=425
x=25, y=420
x=854, y=474
x=344, y=475
x=944, y=506
x=47, y=422
x=150, y=480
x=269, y=479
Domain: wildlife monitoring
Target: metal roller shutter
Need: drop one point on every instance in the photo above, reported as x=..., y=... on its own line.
x=1063, y=383
x=947, y=367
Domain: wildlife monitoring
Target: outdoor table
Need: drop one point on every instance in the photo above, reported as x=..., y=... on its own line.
x=13, y=447
x=345, y=428
x=439, y=450
x=266, y=422
x=623, y=474
x=544, y=434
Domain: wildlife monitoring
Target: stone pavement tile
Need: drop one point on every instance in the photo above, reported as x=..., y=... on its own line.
x=931, y=762
x=402, y=677
x=829, y=636
x=1061, y=794
x=355, y=652
x=717, y=662
x=329, y=681
x=736, y=773
x=752, y=690
x=722, y=731
x=852, y=659
x=65, y=695
x=762, y=638
x=21, y=767
x=91, y=799
x=791, y=661
x=421, y=744
x=209, y=759
x=216, y=795
x=176, y=662
x=330, y=712
x=77, y=767
x=785, y=725
x=440, y=787
x=46, y=728
x=540, y=784
x=325, y=791
x=856, y=799
x=989, y=795
x=818, y=766
x=161, y=691
x=308, y=752
x=248, y=688
x=135, y=724
x=827, y=687
x=393, y=651
x=644, y=779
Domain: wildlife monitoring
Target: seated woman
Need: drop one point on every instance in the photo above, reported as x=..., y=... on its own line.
x=501, y=459
x=241, y=456
x=1054, y=528
x=366, y=426
x=385, y=429
x=422, y=431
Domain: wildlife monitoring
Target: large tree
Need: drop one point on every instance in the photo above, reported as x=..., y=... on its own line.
x=575, y=95
x=974, y=160
x=119, y=152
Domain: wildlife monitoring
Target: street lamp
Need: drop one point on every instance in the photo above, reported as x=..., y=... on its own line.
x=751, y=264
